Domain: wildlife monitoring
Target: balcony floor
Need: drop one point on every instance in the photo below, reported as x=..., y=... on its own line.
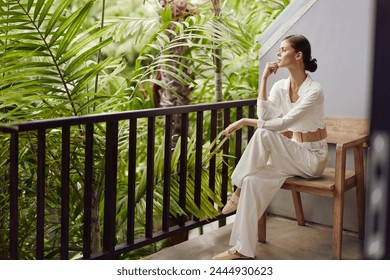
x=285, y=241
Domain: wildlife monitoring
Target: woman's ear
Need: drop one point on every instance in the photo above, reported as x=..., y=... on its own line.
x=299, y=55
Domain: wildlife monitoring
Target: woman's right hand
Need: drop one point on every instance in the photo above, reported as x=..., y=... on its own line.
x=233, y=127
x=270, y=68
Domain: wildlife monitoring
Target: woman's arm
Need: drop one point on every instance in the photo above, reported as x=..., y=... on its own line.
x=238, y=125
x=270, y=68
x=263, y=90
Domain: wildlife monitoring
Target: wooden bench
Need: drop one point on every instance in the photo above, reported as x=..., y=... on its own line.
x=345, y=134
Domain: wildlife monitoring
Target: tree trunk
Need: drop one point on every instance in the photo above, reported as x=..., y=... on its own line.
x=180, y=94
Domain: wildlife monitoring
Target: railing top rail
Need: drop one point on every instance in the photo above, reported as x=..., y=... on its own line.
x=117, y=116
x=8, y=128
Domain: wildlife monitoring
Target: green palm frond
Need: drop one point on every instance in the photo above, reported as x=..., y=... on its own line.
x=47, y=56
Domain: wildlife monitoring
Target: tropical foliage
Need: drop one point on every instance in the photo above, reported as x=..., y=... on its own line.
x=63, y=58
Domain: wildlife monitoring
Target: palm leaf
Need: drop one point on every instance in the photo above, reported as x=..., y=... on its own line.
x=38, y=7
x=82, y=57
x=72, y=27
x=55, y=17
x=42, y=12
x=83, y=43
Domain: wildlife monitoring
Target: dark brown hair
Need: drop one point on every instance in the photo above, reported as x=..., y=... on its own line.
x=300, y=44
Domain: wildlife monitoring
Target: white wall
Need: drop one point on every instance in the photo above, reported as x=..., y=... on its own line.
x=340, y=32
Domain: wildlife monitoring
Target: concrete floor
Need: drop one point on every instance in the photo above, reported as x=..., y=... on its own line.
x=285, y=241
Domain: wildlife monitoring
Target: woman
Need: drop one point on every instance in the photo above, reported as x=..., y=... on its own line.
x=294, y=104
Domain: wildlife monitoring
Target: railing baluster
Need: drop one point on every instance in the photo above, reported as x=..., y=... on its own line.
x=183, y=166
x=238, y=136
x=150, y=178
x=167, y=172
x=131, y=181
x=251, y=115
x=41, y=194
x=213, y=135
x=88, y=169
x=65, y=192
x=225, y=167
x=14, y=185
x=198, y=158
x=111, y=167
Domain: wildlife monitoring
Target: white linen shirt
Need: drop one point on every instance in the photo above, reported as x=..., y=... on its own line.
x=278, y=113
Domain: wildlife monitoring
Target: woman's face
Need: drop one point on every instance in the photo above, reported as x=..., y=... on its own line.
x=287, y=56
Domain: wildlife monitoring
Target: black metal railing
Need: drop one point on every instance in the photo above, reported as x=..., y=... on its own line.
x=110, y=248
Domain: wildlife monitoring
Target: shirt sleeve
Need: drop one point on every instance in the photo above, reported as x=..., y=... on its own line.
x=271, y=108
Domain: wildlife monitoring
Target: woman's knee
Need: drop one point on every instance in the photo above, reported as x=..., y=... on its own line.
x=249, y=182
x=265, y=134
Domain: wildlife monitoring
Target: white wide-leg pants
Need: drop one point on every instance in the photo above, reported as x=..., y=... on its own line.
x=268, y=160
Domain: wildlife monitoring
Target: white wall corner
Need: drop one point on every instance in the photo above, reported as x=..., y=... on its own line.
x=279, y=27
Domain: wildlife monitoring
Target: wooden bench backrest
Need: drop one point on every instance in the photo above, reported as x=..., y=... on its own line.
x=342, y=129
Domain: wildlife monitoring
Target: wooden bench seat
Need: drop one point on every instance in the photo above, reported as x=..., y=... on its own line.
x=320, y=185
x=344, y=134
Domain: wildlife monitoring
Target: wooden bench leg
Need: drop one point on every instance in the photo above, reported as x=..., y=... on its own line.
x=338, y=202
x=298, y=207
x=261, y=228
x=338, y=213
x=359, y=171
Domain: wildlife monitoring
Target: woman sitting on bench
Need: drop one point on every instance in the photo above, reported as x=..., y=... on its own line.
x=295, y=104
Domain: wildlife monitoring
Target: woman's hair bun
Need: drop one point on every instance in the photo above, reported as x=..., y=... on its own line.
x=311, y=65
